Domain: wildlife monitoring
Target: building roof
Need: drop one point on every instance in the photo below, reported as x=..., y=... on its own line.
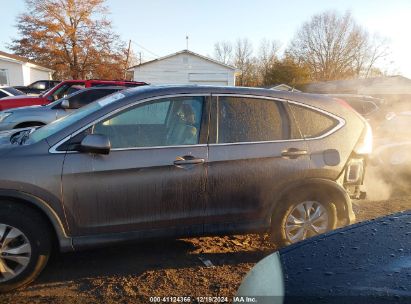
x=369, y=86
x=21, y=59
x=283, y=87
x=185, y=52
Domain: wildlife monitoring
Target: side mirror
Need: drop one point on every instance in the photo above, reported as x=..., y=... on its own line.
x=95, y=143
x=65, y=104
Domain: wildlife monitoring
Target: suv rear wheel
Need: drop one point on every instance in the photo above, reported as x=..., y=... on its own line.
x=302, y=216
x=24, y=245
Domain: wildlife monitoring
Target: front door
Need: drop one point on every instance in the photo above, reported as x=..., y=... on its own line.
x=154, y=177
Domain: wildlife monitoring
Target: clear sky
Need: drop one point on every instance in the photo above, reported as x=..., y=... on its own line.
x=159, y=27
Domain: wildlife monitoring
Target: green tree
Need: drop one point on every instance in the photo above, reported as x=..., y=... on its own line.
x=288, y=71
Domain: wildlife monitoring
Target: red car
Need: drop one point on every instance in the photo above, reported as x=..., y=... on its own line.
x=61, y=90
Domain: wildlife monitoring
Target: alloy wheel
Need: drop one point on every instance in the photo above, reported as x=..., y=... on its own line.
x=306, y=219
x=15, y=252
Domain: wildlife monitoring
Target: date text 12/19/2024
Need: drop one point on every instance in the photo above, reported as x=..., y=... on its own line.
x=203, y=299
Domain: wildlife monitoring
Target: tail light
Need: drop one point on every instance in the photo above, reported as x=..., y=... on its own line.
x=344, y=104
x=364, y=144
x=355, y=170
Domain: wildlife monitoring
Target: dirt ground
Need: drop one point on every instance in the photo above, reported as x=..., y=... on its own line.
x=133, y=273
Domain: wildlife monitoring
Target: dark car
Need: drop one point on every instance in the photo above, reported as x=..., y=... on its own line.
x=61, y=90
x=363, y=104
x=368, y=263
x=371, y=108
x=41, y=115
x=9, y=91
x=179, y=161
x=38, y=87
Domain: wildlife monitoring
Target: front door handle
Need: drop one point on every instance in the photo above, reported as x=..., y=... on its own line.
x=188, y=160
x=293, y=153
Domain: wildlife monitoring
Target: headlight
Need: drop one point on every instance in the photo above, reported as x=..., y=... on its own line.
x=4, y=115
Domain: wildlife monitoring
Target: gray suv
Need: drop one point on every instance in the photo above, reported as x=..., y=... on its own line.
x=179, y=161
x=41, y=115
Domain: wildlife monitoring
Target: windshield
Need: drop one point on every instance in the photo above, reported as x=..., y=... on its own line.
x=13, y=91
x=66, y=121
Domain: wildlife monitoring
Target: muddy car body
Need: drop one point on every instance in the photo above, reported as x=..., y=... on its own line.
x=183, y=161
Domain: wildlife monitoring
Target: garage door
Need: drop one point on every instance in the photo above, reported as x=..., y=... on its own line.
x=208, y=78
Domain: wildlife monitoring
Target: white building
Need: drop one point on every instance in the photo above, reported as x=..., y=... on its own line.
x=18, y=71
x=185, y=67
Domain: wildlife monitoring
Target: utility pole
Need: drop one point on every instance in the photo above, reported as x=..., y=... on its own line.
x=187, y=42
x=139, y=56
x=128, y=56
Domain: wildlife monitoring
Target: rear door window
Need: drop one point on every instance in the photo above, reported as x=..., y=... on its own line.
x=312, y=123
x=244, y=119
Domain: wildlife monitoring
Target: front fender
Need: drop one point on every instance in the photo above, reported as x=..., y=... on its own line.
x=34, y=201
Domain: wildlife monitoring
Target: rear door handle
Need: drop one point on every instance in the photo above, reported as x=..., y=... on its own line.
x=188, y=160
x=293, y=153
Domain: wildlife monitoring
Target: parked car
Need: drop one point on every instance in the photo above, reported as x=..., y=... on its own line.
x=42, y=115
x=59, y=91
x=371, y=108
x=391, y=156
x=363, y=104
x=368, y=262
x=178, y=161
x=9, y=91
x=38, y=87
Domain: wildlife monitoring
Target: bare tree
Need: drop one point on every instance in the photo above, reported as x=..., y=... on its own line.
x=334, y=46
x=244, y=62
x=223, y=51
x=267, y=58
x=369, y=54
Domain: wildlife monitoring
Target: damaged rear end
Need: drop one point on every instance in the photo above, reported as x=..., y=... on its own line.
x=348, y=141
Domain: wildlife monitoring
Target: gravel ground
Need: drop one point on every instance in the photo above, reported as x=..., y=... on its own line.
x=133, y=273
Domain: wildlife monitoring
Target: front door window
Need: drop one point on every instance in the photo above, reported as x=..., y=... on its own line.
x=165, y=122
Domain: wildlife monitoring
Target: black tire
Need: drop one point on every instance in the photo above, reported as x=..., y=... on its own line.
x=36, y=231
x=288, y=205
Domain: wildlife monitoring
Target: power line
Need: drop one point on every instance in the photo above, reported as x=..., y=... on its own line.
x=147, y=50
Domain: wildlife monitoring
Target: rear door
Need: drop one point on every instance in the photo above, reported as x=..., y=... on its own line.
x=154, y=178
x=255, y=149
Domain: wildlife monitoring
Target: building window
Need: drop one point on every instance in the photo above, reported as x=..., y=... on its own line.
x=4, y=79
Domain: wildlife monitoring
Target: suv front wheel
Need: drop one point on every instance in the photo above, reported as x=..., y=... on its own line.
x=302, y=216
x=24, y=245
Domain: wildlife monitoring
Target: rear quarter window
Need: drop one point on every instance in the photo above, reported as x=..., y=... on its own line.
x=312, y=123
